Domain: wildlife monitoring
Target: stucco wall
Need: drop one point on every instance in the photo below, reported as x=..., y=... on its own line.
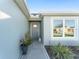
x=13, y=25
x=50, y=40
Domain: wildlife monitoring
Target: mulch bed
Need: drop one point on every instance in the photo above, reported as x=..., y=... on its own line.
x=49, y=51
x=74, y=49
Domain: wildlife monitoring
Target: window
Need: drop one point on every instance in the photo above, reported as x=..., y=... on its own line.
x=64, y=28
x=58, y=28
x=69, y=28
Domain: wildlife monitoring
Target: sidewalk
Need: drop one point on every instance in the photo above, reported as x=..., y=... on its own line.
x=36, y=51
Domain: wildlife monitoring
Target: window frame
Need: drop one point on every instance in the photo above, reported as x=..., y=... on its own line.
x=53, y=27
x=64, y=19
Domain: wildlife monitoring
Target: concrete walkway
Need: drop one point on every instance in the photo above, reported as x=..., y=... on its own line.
x=36, y=51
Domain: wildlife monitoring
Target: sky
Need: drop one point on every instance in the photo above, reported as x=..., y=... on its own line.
x=36, y=6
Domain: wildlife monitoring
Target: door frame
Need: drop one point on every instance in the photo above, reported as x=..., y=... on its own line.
x=30, y=27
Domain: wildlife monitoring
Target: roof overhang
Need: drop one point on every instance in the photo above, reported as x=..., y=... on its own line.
x=35, y=17
x=21, y=4
x=60, y=14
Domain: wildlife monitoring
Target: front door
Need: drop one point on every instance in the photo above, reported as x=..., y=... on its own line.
x=35, y=30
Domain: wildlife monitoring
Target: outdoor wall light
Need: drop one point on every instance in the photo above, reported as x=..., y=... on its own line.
x=35, y=25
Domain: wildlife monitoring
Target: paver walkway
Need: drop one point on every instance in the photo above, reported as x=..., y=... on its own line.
x=36, y=51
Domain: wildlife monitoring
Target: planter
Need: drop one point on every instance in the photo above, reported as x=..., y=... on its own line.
x=24, y=49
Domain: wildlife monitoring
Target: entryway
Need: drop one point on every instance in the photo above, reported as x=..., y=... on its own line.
x=35, y=30
x=36, y=51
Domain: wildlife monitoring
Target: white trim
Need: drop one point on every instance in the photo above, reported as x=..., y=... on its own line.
x=63, y=27
x=65, y=18
x=74, y=30
x=22, y=6
x=77, y=30
x=61, y=13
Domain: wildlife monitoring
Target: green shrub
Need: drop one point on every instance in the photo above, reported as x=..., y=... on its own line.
x=27, y=41
x=61, y=52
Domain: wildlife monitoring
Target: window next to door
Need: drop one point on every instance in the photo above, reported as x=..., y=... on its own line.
x=64, y=27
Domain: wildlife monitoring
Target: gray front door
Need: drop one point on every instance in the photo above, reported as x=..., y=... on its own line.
x=35, y=30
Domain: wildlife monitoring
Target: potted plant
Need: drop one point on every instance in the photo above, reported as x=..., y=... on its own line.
x=61, y=52
x=25, y=43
